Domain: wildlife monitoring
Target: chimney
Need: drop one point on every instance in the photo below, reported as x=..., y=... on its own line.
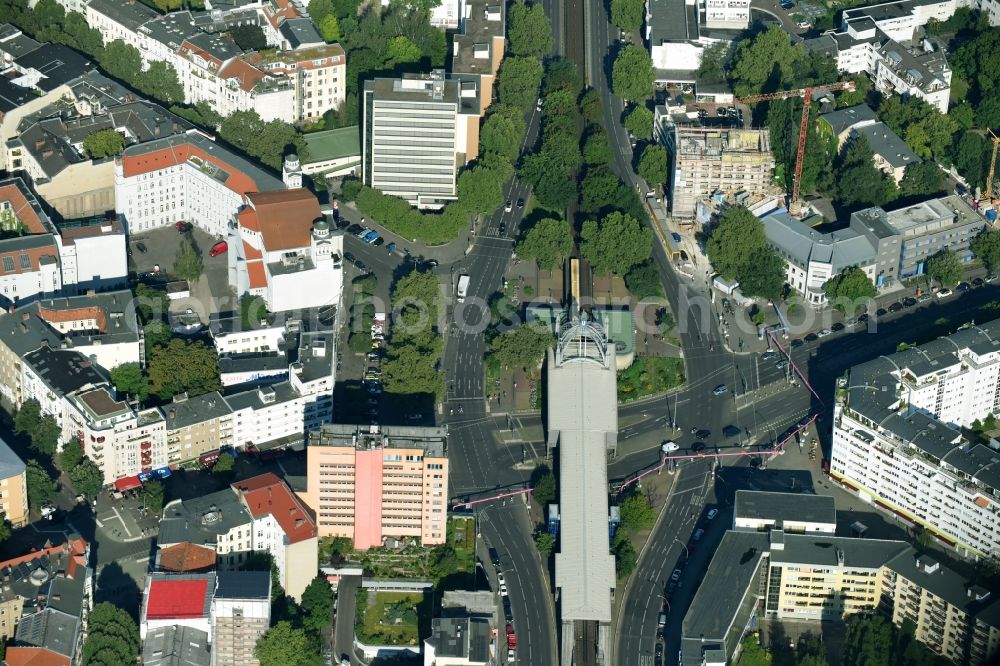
x=25, y=316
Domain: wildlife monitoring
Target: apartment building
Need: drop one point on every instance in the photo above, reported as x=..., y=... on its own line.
x=890, y=154
x=478, y=45
x=727, y=14
x=257, y=514
x=93, y=254
x=812, y=258
x=101, y=327
x=176, y=645
x=197, y=425
x=182, y=600
x=928, y=227
x=52, y=374
x=45, y=600
x=418, y=132
x=185, y=177
x=706, y=161
x=897, y=443
x=122, y=440
x=13, y=487
x=284, y=251
x=815, y=577
x=241, y=613
x=372, y=483
x=317, y=74
x=29, y=255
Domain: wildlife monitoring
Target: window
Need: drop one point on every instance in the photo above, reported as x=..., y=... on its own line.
x=8, y=264
x=25, y=262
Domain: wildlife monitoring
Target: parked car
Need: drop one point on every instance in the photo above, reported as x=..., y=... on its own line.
x=803, y=25
x=509, y=206
x=923, y=298
x=943, y=293
x=390, y=248
x=379, y=240
x=963, y=287
x=897, y=306
x=822, y=333
x=768, y=355
x=702, y=433
x=676, y=575
x=837, y=327
x=500, y=579
x=218, y=248
x=676, y=236
x=183, y=226
x=712, y=514
x=698, y=534
x=978, y=282
x=141, y=247
x=360, y=265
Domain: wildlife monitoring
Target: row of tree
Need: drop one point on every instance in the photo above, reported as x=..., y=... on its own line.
x=413, y=358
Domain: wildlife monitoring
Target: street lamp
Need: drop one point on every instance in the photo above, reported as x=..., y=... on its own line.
x=687, y=553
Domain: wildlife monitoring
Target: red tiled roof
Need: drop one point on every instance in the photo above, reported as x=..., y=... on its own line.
x=285, y=217
x=34, y=255
x=185, y=557
x=250, y=252
x=189, y=48
x=75, y=546
x=134, y=165
x=18, y=201
x=247, y=74
x=267, y=494
x=176, y=599
x=248, y=219
x=257, y=275
x=74, y=314
x=34, y=656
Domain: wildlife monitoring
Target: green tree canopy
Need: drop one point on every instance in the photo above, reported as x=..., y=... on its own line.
x=636, y=512
x=591, y=106
x=283, y=645
x=626, y=558
x=548, y=242
x=129, y=379
x=769, y=58
x=596, y=149
x=153, y=495
x=644, y=281
x=860, y=183
x=639, y=121
x=560, y=74
x=317, y=604
x=653, y=165
x=502, y=132
x=987, y=247
x=632, y=74
x=103, y=143
x=183, y=366
x=45, y=436
x=518, y=81
x=70, y=456
x=188, y=265
x=28, y=417
x=945, y=267
x=923, y=180
x=480, y=190
x=738, y=250
x=224, y=464
x=266, y=141
x=249, y=37
x=521, y=348
x=714, y=60
x=543, y=484
x=329, y=28
x=628, y=14
x=850, y=291
x=112, y=637
x=41, y=487
x=615, y=245
x=528, y=30
x=545, y=543
x=598, y=189
x=87, y=479
x=553, y=186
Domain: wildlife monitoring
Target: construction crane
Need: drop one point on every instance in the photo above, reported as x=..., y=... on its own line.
x=806, y=94
x=988, y=196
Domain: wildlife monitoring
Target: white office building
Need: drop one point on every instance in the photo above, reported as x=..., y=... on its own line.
x=897, y=442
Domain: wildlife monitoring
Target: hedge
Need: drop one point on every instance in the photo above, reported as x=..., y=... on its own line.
x=401, y=218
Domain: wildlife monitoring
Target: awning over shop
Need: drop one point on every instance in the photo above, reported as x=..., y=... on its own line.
x=128, y=483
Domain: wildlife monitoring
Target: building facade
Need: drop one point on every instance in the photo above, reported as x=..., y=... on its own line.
x=418, y=132
x=196, y=426
x=241, y=614
x=370, y=484
x=13, y=487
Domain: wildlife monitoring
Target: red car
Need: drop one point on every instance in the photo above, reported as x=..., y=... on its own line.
x=183, y=226
x=218, y=249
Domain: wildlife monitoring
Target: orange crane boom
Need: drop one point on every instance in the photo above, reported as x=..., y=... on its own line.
x=988, y=196
x=806, y=94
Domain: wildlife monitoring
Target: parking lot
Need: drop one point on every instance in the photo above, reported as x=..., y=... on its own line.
x=151, y=258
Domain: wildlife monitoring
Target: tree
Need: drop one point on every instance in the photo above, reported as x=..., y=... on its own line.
x=738, y=250
x=591, y=106
x=713, y=63
x=45, y=437
x=768, y=58
x=523, y=347
x=625, y=558
x=329, y=29
x=319, y=10
x=153, y=495
x=560, y=74
x=545, y=543
x=860, y=183
x=183, y=366
x=850, y=291
x=268, y=142
x=923, y=180
x=121, y=61
x=28, y=417
x=945, y=267
x=528, y=30
x=103, y=143
x=639, y=121
x=543, y=484
x=480, y=190
x=632, y=74
x=766, y=277
x=502, y=132
x=868, y=641
x=70, y=456
x=129, y=379
x=986, y=246
x=548, y=242
x=112, y=638
x=249, y=37
x=971, y=155
x=615, y=245
x=41, y=487
x=401, y=50
x=644, y=282
x=519, y=79
x=554, y=188
x=653, y=165
x=596, y=149
x=317, y=604
x=188, y=265
x=628, y=14
x=598, y=189
x=87, y=479
x=636, y=512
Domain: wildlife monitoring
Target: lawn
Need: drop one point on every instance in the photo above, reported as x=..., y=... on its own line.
x=389, y=618
x=649, y=375
x=462, y=537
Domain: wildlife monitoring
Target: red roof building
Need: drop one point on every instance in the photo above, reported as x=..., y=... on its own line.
x=267, y=494
x=34, y=656
x=177, y=599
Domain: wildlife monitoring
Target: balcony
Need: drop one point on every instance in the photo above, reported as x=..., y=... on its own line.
x=146, y=445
